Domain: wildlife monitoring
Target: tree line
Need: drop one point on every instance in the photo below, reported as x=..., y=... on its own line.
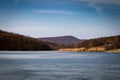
x=112, y=42
x=12, y=41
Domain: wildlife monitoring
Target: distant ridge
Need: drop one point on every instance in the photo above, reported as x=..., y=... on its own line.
x=62, y=40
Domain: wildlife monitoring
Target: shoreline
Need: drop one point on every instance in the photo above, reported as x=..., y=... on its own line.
x=70, y=50
x=90, y=50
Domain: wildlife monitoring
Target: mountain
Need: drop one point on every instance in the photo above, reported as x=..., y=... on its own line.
x=12, y=41
x=61, y=40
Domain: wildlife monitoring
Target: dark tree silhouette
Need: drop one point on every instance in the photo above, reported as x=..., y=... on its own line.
x=112, y=42
x=12, y=41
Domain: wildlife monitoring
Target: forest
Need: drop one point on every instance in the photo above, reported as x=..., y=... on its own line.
x=14, y=42
x=112, y=42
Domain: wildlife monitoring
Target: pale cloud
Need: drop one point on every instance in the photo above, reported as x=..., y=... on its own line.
x=97, y=8
x=95, y=4
x=56, y=12
x=113, y=2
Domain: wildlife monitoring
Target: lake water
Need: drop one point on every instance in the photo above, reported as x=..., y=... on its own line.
x=53, y=65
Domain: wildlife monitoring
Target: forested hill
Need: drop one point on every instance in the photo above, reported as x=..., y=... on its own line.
x=112, y=42
x=103, y=44
x=12, y=41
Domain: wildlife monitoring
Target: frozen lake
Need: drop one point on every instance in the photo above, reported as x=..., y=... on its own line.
x=54, y=65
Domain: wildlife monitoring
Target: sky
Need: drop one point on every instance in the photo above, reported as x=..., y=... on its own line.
x=84, y=19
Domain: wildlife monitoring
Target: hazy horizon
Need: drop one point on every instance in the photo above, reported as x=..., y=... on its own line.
x=83, y=19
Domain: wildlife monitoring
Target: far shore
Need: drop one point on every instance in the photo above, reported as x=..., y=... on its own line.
x=75, y=50
x=93, y=49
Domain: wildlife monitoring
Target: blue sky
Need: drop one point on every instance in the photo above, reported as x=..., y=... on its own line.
x=47, y=18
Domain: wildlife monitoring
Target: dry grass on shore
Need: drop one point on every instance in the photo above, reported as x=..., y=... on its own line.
x=93, y=49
